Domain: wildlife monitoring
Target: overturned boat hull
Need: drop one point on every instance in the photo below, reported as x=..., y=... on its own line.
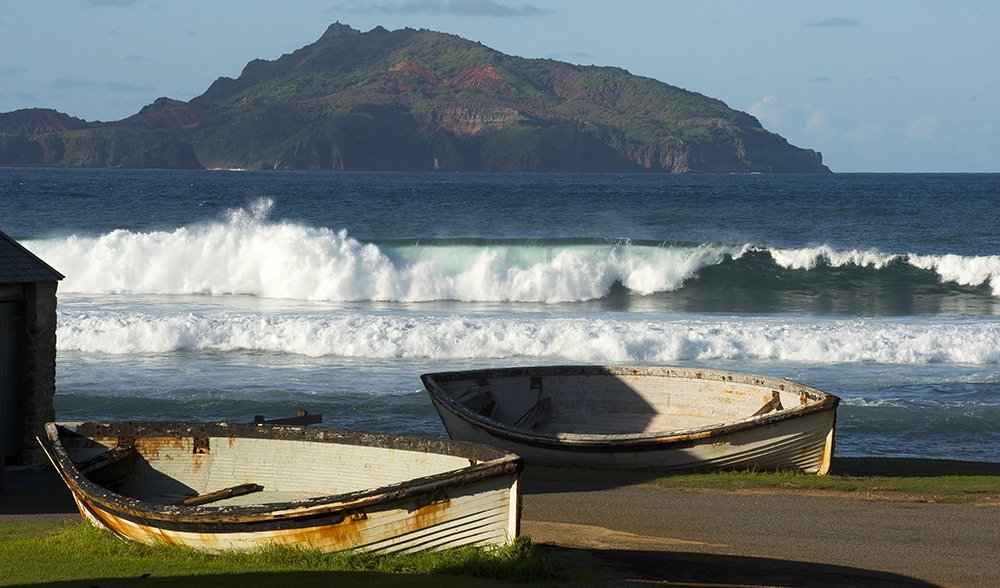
x=218, y=487
x=640, y=417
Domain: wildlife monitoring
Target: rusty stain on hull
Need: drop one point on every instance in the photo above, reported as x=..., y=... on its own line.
x=422, y=494
x=351, y=532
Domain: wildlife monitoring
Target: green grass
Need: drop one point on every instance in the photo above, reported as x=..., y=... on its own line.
x=81, y=555
x=961, y=489
x=914, y=487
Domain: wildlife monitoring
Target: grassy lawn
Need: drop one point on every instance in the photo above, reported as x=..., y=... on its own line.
x=81, y=555
x=953, y=489
x=897, y=480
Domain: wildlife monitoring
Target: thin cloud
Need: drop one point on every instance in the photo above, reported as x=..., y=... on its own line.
x=489, y=8
x=834, y=22
x=113, y=3
x=924, y=127
x=866, y=133
x=817, y=121
x=821, y=79
x=136, y=59
x=768, y=110
x=128, y=88
x=70, y=83
x=796, y=121
x=12, y=71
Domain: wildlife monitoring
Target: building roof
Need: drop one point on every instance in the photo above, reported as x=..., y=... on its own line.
x=18, y=265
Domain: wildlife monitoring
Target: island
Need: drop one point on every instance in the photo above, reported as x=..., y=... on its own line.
x=416, y=100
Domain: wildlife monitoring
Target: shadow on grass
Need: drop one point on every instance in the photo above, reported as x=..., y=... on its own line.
x=590, y=568
x=700, y=569
x=905, y=467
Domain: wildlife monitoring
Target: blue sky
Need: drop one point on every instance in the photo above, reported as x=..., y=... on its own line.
x=876, y=85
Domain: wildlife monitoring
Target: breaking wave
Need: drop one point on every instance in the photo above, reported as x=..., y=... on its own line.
x=249, y=254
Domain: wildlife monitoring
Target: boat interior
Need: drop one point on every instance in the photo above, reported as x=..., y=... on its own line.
x=230, y=471
x=615, y=404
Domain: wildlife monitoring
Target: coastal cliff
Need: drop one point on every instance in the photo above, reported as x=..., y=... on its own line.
x=416, y=100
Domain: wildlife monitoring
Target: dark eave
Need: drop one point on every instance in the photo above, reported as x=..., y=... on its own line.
x=20, y=266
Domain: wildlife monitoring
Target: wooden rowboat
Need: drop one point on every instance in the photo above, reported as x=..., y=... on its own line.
x=639, y=417
x=224, y=486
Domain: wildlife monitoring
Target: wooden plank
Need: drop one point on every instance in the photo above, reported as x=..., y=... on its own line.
x=221, y=494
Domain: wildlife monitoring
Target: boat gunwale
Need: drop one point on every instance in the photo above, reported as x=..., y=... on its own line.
x=653, y=440
x=489, y=462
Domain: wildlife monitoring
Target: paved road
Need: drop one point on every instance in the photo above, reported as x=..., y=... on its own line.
x=670, y=536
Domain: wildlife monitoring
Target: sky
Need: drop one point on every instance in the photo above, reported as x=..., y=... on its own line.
x=875, y=85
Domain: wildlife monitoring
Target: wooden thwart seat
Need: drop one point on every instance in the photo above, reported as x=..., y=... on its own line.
x=218, y=495
x=773, y=404
x=479, y=394
x=534, y=415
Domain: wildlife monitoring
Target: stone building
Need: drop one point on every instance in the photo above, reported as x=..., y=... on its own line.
x=27, y=352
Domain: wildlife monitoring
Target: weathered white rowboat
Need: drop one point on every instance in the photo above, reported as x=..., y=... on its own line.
x=639, y=417
x=221, y=486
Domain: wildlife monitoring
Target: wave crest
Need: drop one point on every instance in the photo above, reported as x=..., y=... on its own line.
x=250, y=254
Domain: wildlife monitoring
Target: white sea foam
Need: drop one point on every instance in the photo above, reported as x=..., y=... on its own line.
x=809, y=257
x=249, y=254
x=368, y=335
x=963, y=270
x=967, y=271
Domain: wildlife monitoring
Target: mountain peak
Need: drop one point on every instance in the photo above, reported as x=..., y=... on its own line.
x=339, y=30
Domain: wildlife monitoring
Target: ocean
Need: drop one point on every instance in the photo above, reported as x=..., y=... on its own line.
x=225, y=294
